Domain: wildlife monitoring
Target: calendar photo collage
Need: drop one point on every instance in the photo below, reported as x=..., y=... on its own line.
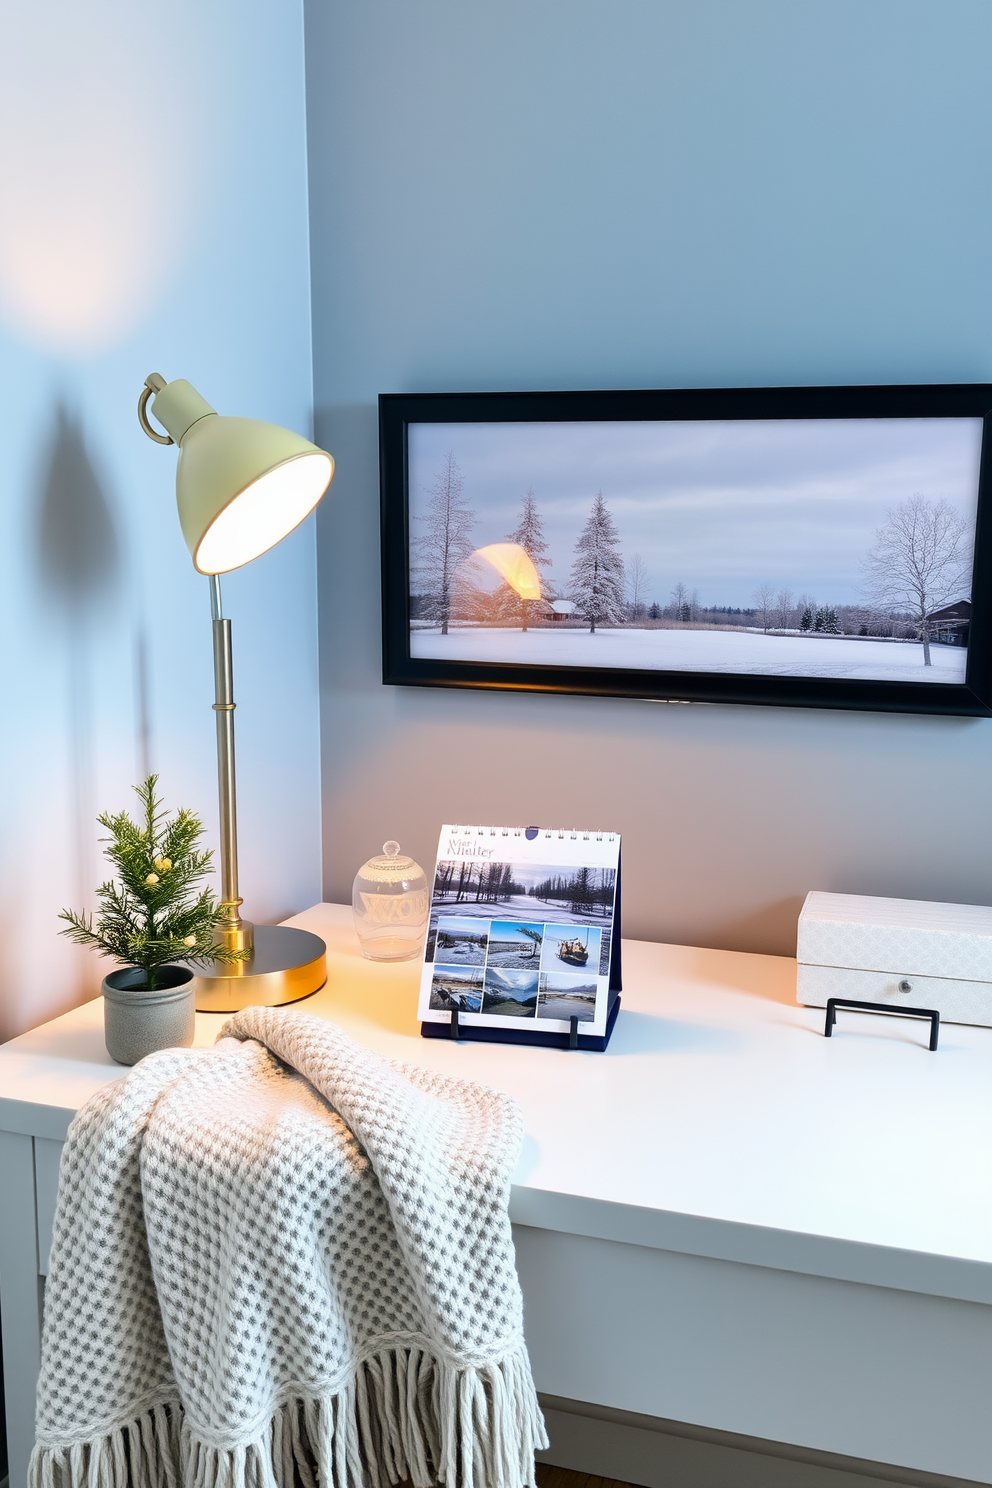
x=521, y=928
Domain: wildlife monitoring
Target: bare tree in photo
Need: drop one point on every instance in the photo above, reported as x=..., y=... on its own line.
x=680, y=602
x=597, y=573
x=920, y=561
x=446, y=543
x=784, y=608
x=637, y=582
x=529, y=535
x=763, y=598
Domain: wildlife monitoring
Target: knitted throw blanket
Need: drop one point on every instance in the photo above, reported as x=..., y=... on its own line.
x=285, y=1262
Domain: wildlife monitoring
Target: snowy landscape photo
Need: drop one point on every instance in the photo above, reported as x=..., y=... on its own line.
x=566, y=997
x=456, y=987
x=826, y=548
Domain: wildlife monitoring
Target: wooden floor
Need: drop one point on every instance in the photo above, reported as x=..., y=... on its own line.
x=561, y=1477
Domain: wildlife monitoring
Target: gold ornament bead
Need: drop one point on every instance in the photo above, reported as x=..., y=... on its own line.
x=189, y=940
x=151, y=879
x=163, y=864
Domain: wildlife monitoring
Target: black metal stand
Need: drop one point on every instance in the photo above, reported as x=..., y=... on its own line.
x=833, y=1003
x=573, y=1029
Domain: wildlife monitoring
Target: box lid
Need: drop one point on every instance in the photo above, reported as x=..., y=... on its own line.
x=905, y=936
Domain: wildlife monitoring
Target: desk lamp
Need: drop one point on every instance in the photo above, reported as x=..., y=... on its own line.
x=241, y=486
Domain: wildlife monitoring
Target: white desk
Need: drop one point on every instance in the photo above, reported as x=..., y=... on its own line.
x=726, y=1219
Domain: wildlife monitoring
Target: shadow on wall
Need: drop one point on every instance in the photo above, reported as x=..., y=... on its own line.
x=774, y=925
x=78, y=552
x=80, y=578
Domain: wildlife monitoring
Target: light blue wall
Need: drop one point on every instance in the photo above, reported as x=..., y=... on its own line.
x=154, y=217
x=570, y=193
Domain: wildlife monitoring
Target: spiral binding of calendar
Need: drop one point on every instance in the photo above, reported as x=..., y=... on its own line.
x=560, y=834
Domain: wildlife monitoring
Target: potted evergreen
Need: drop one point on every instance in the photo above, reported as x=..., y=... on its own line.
x=153, y=916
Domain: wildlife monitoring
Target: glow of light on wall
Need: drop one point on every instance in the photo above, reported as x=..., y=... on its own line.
x=514, y=565
x=104, y=144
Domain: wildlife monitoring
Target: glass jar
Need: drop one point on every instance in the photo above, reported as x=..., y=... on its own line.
x=392, y=905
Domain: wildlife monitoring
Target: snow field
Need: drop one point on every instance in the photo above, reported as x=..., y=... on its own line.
x=698, y=651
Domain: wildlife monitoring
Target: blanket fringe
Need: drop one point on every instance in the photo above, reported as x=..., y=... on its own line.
x=146, y=1451
x=403, y=1417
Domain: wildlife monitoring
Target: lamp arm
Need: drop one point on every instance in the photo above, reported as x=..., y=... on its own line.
x=232, y=932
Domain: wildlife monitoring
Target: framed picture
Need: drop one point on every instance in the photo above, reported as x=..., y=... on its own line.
x=813, y=547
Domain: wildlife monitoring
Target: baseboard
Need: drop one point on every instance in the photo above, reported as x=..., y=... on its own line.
x=672, y=1454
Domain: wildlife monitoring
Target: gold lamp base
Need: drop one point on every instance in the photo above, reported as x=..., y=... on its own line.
x=285, y=965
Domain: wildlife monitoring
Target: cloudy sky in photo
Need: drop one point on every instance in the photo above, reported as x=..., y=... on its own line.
x=718, y=506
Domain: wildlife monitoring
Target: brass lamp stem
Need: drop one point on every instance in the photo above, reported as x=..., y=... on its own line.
x=232, y=931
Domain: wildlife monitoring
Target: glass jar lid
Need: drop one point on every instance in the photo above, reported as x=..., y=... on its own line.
x=391, y=867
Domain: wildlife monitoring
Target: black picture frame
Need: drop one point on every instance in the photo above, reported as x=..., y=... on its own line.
x=397, y=411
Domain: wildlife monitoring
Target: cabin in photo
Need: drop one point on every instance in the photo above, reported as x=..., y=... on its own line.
x=950, y=625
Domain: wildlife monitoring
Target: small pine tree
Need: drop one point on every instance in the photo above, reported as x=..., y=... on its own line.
x=806, y=623
x=831, y=625
x=654, y=613
x=155, y=914
x=597, y=573
x=529, y=535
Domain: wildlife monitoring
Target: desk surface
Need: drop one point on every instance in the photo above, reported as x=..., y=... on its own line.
x=720, y=1122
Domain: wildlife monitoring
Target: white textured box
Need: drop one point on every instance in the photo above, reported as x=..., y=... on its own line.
x=853, y=945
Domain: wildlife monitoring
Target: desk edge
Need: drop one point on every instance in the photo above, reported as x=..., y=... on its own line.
x=829, y=1256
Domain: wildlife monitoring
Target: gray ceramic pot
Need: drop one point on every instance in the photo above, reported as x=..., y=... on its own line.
x=137, y=1022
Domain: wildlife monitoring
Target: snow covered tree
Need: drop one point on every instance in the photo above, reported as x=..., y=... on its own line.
x=654, y=613
x=808, y=616
x=921, y=560
x=445, y=544
x=529, y=535
x=597, y=573
x=680, y=602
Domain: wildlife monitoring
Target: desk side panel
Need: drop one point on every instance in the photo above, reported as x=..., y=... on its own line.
x=20, y=1299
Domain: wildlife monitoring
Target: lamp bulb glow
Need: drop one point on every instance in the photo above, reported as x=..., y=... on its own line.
x=263, y=513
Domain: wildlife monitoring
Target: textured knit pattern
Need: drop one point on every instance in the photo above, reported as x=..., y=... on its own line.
x=285, y=1260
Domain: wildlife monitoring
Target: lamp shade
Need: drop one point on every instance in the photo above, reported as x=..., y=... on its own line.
x=241, y=485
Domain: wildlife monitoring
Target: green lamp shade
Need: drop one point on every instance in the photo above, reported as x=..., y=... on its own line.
x=241, y=485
